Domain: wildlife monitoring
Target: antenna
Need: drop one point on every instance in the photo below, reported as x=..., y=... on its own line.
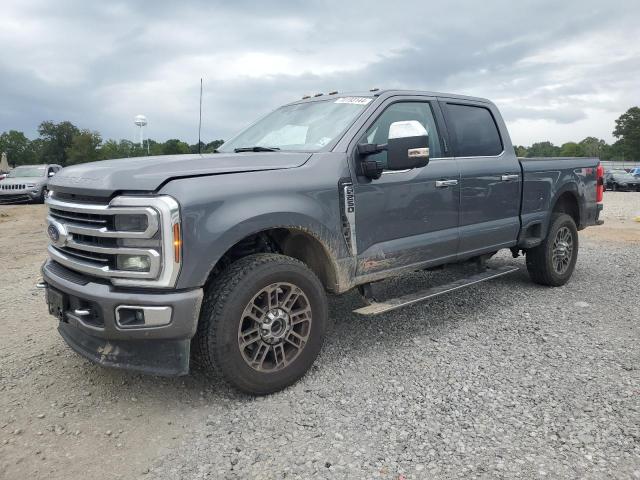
x=200, y=121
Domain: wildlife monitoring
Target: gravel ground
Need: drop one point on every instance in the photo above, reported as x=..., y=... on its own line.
x=503, y=380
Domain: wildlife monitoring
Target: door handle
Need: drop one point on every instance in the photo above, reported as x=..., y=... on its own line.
x=446, y=183
x=509, y=178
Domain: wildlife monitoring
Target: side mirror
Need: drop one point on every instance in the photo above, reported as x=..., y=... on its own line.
x=408, y=145
x=51, y=174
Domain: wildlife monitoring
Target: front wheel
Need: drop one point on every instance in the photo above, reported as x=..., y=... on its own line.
x=262, y=323
x=553, y=261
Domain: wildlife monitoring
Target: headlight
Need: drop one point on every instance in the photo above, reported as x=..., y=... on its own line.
x=30, y=185
x=133, y=263
x=131, y=223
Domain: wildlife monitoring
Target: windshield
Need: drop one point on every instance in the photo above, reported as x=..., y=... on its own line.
x=305, y=126
x=26, y=172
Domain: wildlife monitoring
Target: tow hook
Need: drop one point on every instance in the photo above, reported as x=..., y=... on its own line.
x=41, y=284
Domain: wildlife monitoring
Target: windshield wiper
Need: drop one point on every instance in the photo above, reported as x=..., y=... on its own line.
x=257, y=148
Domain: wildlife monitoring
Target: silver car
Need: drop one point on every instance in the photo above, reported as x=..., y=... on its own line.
x=27, y=183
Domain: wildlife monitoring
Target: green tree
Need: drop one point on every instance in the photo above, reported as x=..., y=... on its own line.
x=84, y=148
x=57, y=138
x=213, y=146
x=197, y=148
x=628, y=131
x=521, y=151
x=174, y=147
x=109, y=149
x=613, y=152
x=17, y=147
x=592, y=147
x=570, y=149
x=206, y=147
x=543, y=149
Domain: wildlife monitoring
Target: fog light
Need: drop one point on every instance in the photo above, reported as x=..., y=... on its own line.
x=132, y=316
x=136, y=263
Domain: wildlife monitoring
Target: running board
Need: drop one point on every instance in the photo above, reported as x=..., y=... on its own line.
x=376, y=308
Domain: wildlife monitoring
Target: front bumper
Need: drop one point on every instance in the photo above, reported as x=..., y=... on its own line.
x=20, y=196
x=161, y=350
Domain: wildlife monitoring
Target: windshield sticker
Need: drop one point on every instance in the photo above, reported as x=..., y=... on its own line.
x=354, y=100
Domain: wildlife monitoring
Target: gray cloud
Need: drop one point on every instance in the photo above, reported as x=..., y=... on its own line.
x=558, y=70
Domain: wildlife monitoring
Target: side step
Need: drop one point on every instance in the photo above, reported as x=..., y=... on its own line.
x=376, y=308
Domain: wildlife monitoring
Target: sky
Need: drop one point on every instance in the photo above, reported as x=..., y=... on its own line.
x=559, y=71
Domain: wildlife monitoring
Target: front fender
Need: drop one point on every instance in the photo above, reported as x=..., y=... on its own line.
x=218, y=212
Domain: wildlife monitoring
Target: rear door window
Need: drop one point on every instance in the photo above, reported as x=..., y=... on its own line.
x=475, y=131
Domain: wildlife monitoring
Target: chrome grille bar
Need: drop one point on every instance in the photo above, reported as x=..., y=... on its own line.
x=104, y=210
x=90, y=268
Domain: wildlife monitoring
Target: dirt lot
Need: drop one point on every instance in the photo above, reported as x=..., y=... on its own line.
x=509, y=379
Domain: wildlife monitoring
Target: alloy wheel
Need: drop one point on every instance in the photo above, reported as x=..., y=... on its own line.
x=274, y=327
x=562, y=250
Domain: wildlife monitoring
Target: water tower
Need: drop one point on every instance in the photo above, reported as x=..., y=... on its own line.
x=141, y=121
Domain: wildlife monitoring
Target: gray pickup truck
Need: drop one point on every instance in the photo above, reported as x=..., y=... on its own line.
x=225, y=259
x=27, y=183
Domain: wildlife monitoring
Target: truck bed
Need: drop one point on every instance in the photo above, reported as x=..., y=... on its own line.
x=545, y=180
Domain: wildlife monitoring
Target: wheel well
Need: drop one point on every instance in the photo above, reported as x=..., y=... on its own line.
x=292, y=242
x=568, y=203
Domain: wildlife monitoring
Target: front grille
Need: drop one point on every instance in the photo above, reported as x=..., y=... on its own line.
x=20, y=186
x=16, y=198
x=81, y=255
x=84, y=238
x=75, y=198
x=91, y=219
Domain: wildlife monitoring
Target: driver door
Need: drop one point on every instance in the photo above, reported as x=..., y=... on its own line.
x=407, y=217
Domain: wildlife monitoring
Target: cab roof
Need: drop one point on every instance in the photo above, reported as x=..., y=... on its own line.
x=382, y=94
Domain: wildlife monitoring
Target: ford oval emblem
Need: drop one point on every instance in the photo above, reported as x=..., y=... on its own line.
x=54, y=233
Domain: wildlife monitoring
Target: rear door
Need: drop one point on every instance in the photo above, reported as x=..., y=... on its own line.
x=411, y=216
x=490, y=177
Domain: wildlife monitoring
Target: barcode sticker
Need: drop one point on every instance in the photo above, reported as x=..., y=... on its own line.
x=354, y=100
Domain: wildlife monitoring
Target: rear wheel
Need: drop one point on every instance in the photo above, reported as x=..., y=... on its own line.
x=553, y=261
x=262, y=323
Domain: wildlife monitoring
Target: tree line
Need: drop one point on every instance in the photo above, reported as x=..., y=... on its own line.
x=65, y=144
x=626, y=147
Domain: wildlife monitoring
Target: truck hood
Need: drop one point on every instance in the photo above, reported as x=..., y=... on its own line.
x=149, y=173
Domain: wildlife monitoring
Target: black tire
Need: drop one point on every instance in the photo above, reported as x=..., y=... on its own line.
x=540, y=261
x=216, y=343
